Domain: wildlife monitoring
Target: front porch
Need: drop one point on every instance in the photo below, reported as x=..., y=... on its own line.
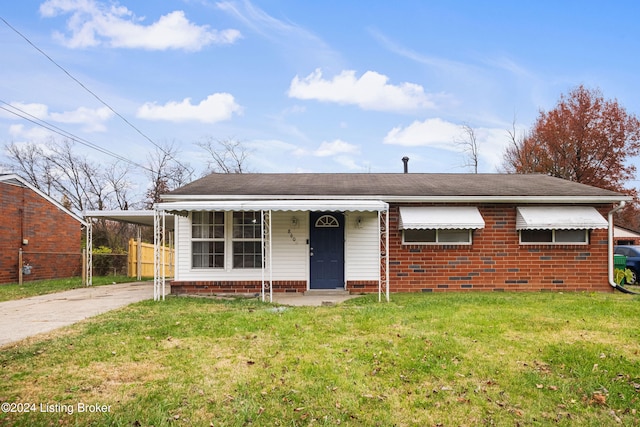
x=266, y=246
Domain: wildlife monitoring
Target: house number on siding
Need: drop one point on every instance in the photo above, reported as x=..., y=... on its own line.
x=291, y=236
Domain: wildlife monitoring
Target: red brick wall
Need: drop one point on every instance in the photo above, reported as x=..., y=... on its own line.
x=496, y=260
x=54, y=236
x=230, y=287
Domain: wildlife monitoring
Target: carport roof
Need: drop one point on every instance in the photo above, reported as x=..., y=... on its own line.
x=137, y=217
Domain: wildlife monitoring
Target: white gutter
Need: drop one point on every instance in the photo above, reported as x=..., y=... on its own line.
x=612, y=281
x=401, y=199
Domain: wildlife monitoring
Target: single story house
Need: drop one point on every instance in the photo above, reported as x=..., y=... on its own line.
x=387, y=232
x=48, y=235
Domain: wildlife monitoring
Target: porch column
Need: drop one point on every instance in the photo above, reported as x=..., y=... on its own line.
x=89, y=259
x=267, y=275
x=159, y=224
x=383, y=258
x=139, y=254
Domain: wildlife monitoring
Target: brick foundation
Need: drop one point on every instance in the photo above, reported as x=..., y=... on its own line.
x=213, y=287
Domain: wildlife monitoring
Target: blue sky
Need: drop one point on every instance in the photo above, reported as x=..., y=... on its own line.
x=310, y=86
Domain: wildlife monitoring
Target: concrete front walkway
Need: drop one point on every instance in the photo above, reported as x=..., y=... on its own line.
x=310, y=298
x=26, y=317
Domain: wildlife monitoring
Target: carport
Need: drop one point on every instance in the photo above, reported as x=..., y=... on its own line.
x=163, y=226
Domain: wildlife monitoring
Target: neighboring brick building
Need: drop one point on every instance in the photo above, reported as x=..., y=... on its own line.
x=401, y=232
x=49, y=234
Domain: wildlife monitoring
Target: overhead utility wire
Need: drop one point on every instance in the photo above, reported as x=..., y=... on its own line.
x=90, y=91
x=55, y=129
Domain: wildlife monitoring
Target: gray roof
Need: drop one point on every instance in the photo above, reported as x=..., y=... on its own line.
x=388, y=186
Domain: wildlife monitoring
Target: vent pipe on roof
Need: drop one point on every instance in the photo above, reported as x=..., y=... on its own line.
x=405, y=160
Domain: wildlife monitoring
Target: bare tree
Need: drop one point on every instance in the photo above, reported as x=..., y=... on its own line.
x=470, y=146
x=28, y=161
x=227, y=155
x=165, y=172
x=117, y=178
x=56, y=169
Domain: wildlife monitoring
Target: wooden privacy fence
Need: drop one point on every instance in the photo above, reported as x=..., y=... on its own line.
x=140, y=262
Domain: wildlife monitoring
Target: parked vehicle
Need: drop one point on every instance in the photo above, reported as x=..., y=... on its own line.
x=633, y=260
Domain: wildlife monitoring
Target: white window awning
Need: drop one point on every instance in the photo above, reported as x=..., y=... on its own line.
x=559, y=218
x=182, y=208
x=440, y=217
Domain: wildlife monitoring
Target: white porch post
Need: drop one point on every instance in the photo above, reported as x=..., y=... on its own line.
x=89, y=259
x=159, y=223
x=139, y=254
x=383, y=257
x=267, y=275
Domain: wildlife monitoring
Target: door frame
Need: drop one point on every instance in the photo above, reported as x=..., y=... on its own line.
x=342, y=220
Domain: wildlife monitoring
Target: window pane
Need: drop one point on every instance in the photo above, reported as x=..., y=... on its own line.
x=207, y=254
x=207, y=225
x=571, y=236
x=420, y=236
x=536, y=236
x=246, y=225
x=247, y=255
x=453, y=236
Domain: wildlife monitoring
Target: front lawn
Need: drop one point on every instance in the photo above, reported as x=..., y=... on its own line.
x=438, y=359
x=13, y=291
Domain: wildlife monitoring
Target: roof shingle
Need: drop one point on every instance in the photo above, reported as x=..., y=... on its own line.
x=387, y=185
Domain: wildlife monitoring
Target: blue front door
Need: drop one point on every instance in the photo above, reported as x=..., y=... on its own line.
x=326, y=250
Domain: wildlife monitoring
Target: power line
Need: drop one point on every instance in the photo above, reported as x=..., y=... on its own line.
x=92, y=93
x=55, y=129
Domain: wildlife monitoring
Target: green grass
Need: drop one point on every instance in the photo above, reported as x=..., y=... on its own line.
x=443, y=359
x=13, y=291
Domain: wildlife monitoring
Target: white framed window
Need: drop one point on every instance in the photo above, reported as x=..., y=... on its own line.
x=553, y=236
x=207, y=239
x=437, y=237
x=246, y=240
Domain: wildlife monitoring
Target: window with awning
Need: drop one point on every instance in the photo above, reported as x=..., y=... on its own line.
x=439, y=224
x=557, y=224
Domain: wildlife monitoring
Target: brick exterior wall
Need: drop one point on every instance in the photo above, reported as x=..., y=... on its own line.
x=54, y=248
x=187, y=287
x=496, y=261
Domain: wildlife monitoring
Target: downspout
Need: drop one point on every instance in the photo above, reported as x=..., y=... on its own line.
x=612, y=282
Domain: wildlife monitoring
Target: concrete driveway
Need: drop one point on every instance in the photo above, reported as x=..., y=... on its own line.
x=26, y=317
x=23, y=318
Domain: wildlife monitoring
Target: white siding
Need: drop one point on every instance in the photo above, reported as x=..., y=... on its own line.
x=182, y=246
x=290, y=257
x=290, y=248
x=362, y=246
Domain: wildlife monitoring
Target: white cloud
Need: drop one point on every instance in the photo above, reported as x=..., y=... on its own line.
x=35, y=133
x=371, y=91
x=296, y=43
x=349, y=163
x=431, y=132
x=335, y=147
x=91, y=120
x=93, y=24
x=437, y=133
x=215, y=108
